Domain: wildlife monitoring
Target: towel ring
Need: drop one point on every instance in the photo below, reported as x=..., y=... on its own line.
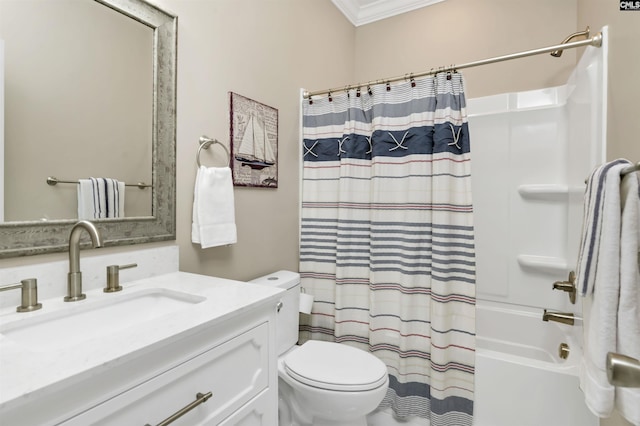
x=205, y=141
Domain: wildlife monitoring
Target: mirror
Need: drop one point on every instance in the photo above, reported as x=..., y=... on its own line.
x=87, y=112
x=138, y=122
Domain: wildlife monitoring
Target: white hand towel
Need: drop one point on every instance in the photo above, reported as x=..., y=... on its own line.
x=213, y=208
x=100, y=198
x=86, y=206
x=600, y=305
x=628, y=399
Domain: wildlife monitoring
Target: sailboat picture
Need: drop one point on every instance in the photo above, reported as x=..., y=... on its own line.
x=254, y=142
x=255, y=149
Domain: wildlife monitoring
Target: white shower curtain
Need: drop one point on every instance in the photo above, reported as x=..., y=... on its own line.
x=387, y=244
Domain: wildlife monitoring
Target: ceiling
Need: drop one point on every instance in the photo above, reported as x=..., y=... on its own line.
x=361, y=12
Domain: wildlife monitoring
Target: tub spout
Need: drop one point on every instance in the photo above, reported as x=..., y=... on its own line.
x=562, y=317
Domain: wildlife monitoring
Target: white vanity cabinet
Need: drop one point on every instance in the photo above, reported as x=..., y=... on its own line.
x=235, y=374
x=142, y=375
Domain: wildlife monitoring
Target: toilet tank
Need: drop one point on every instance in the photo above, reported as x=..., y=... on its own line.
x=288, y=315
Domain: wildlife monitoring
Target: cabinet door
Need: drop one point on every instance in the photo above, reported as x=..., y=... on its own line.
x=234, y=372
x=258, y=412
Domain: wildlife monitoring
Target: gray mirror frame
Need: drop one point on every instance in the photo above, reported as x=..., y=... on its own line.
x=35, y=237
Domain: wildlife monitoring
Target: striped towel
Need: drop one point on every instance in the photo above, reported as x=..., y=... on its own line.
x=598, y=281
x=100, y=198
x=628, y=336
x=603, y=189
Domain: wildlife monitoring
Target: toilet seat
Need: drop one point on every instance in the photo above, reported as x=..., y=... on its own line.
x=334, y=366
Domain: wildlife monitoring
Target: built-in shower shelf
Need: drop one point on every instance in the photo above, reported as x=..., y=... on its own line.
x=551, y=192
x=548, y=264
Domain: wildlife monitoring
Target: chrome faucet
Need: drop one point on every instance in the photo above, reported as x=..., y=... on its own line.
x=564, y=318
x=74, y=278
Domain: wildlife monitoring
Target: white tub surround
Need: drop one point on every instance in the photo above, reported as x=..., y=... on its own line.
x=517, y=360
x=144, y=371
x=531, y=154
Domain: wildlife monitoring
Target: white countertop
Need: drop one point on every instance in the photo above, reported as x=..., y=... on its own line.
x=26, y=372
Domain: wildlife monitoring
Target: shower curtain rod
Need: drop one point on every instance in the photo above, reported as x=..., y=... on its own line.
x=596, y=41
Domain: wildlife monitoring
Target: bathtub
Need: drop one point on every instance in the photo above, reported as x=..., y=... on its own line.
x=520, y=378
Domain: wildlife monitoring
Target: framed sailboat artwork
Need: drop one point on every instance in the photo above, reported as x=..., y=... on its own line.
x=254, y=142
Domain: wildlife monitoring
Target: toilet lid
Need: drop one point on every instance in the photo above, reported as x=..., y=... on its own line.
x=335, y=366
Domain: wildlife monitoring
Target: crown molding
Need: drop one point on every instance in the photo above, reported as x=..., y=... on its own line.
x=361, y=12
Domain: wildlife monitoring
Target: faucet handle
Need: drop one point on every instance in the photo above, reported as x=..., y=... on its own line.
x=568, y=286
x=29, y=288
x=113, y=277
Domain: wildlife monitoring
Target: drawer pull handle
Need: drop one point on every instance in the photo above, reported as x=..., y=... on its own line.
x=201, y=398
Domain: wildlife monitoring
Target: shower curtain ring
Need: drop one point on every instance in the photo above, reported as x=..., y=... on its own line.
x=449, y=71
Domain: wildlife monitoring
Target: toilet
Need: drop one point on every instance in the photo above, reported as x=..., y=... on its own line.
x=321, y=383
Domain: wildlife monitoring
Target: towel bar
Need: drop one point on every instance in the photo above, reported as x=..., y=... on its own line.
x=630, y=169
x=205, y=141
x=623, y=370
x=52, y=180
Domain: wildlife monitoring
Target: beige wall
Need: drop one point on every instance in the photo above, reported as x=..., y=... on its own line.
x=460, y=31
x=264, y=50
x=623, y=132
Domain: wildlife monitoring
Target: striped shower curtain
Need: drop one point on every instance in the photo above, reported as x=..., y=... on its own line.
x=387, y=245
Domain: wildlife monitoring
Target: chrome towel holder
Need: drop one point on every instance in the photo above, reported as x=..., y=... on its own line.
x=52, y=180
x=205, y=142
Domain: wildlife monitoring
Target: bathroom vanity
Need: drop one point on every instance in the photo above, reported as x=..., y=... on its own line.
x=174, y=343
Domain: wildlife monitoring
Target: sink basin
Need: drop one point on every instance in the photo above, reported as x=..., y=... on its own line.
x=77, y=323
